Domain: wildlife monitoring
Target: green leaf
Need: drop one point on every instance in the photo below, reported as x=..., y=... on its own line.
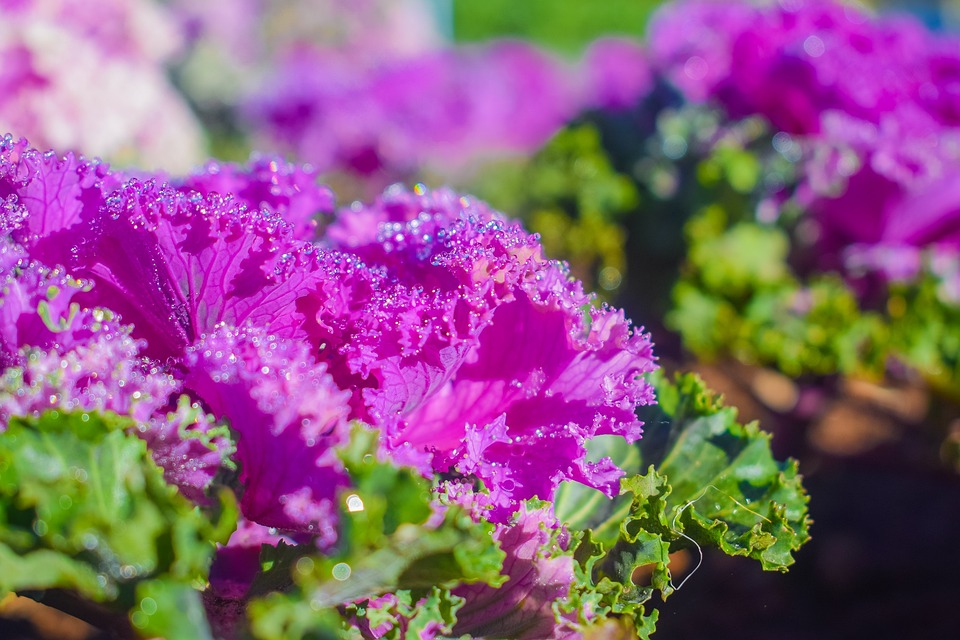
x=567, y=25
x=925, y=332
x=739, y=298
x=84, y=508
x=170, y=609
x=727, y=490
x=287, y=617
x=388, y=494
x=411, y=614
x=571, y=195
x=697, y=478
x=390, y=543
x=745, y=258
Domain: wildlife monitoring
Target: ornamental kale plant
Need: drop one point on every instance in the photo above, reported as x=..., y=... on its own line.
x=92, y=76
x=865, y=110
x=795, y=164
x=231, y=411
x=870, y=105
x=369, y=93
x=442, y=111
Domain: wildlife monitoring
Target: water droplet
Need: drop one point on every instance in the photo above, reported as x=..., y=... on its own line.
x=148, y=606
x=354, y=503
x=305, y=565
x=341, y=571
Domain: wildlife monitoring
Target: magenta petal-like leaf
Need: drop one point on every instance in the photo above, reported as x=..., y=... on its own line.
x=474, y=332
x=287, y=415
x=176, y=265
x=50, y=199
x=38, y=308
x=540, y=575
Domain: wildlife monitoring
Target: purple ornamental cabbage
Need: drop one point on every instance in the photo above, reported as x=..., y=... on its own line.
x=179, y=266
x=439, y=110
x=894, y=196
x=791, y=62
x=872, y=104
x=426, y=314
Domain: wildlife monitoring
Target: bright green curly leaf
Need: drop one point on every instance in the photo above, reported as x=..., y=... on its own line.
x=697, y=478
x=84, y=508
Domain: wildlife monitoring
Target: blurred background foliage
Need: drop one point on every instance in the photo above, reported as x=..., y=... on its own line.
x=570, y=25
x=565, y=25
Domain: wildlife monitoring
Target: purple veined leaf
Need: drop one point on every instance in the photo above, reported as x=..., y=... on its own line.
x=287, y=415
x=552, y=387
x=50, y=199
x=540, y=575
x=177, y=265
x=38, y=308
x=172, y=264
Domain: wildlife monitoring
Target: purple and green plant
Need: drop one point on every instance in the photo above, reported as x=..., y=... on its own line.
x=389, y=419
